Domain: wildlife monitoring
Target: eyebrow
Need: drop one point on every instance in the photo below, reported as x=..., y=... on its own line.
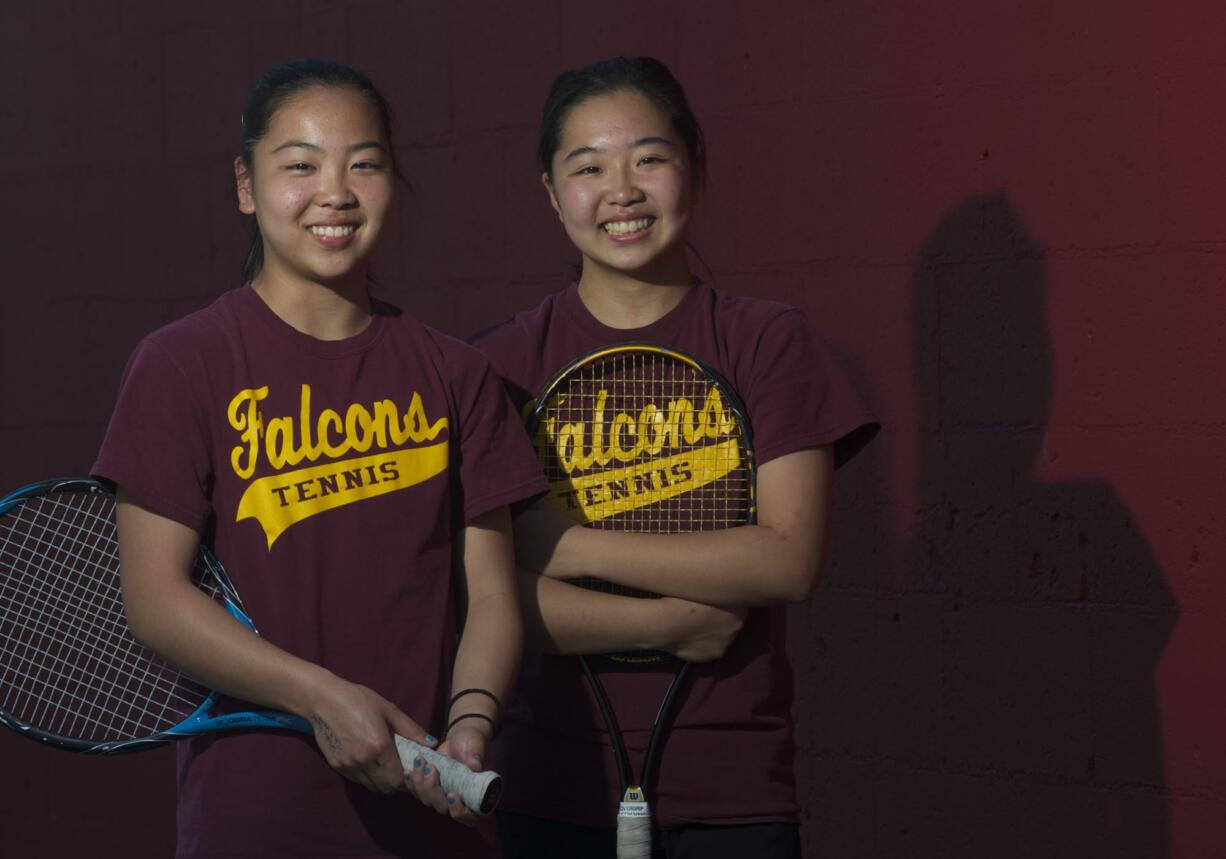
x=356, y=147
x=642, y=141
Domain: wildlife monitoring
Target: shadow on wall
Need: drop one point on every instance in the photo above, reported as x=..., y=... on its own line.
x=1052, y=610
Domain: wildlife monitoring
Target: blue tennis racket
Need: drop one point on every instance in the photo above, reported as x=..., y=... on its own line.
x=72, y=675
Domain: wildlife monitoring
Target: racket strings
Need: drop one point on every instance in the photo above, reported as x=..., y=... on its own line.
x=689, y=470
x=44, y=588
x=69, y=597
x=43, y=635
x=60, y=583
x=72, y=686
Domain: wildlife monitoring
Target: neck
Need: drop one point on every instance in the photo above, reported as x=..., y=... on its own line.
x=324, y=311
x=633, y=300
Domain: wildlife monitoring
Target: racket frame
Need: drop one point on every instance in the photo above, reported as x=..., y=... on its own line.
x=636, y=792
x=211, y=578
x=480, y=790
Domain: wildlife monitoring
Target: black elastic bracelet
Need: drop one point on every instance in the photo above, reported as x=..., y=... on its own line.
x=493, y=724
x=487, y=693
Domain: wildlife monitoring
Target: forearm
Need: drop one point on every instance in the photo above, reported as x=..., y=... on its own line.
x=353, y=725
x=563, y=618
x=777, y=560
x=488, y=658
x=196, y=634
x=492, y=639
x=748, y=566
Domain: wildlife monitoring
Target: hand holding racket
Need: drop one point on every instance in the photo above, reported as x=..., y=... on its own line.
x=355, y=728
x=645, y=439
x=463, y=743
x=71, y=673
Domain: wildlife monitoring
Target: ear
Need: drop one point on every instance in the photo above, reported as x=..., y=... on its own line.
x=553, y=198
x=242, y=185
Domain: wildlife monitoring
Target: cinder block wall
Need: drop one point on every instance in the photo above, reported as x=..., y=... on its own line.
x=1007, y=217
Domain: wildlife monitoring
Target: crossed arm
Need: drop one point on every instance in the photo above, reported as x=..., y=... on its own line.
x=709, y=578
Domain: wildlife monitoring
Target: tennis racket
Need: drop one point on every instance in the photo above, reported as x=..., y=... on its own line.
x=642, y=438
x=71, y=674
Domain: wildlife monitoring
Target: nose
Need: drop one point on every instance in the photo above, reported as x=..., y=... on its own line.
x=334, y=191
x=622, y=189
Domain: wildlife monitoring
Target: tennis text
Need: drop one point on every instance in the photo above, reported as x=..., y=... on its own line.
x=380, y=431
x=591, y=497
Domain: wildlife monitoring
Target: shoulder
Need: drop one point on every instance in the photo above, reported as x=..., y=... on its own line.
x=197, y=338
x=519, y=348
x=752, y=335
x=455, y=353
x=522, y=329
x=757, y=315
x=462, y=371
x=795, y=387
x=448, y=356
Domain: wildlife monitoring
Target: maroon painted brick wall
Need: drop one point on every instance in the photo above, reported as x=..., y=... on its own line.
x=1008, y=217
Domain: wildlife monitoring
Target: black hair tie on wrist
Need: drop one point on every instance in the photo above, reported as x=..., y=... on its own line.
x=474, y=691
x=493, y=724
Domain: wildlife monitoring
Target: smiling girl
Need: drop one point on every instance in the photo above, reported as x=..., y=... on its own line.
x=338, y=455
x=622, y=157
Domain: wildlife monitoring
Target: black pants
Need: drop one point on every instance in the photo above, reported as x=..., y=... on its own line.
x=526, y=837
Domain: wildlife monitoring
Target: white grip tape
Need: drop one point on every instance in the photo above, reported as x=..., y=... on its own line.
x=478, y=790
x=633, y=826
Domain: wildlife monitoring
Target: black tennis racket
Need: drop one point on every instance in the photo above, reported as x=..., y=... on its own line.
x=643, y=438
x=71, y=674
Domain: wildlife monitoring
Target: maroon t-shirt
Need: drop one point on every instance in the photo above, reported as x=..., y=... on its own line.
x=329, y=476
x=728, y=758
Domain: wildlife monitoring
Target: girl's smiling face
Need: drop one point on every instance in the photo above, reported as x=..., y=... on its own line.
x=320, y=186
x=622, y=186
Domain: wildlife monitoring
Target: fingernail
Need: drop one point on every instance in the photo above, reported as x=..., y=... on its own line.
x=451, y=800
x=430, y=738
x=426, y=770
x=416, y=763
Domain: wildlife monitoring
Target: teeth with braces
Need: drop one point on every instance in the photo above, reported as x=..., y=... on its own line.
x=622, y=228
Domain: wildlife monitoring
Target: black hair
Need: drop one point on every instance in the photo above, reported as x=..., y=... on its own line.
x=645, y=75
x=271, y=91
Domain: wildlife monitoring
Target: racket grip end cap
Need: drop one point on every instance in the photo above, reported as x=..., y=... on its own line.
x=633, y=825
x=479, y=790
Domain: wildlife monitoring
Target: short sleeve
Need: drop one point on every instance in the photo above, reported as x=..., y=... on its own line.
x=798, y=395
x=497, y=464
x=514, y=358
x=156, y=444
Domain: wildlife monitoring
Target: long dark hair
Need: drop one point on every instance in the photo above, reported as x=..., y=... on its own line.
x=270, y=92
x=645, y=75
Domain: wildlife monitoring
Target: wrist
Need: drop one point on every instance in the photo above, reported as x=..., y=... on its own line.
x=574, y=555
x=312, y=685
x=472, y=721
x=659, y=632
x=475, y=707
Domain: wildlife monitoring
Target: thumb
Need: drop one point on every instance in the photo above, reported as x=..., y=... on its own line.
x=475, y=762
x=468, y=746
x=403, y=726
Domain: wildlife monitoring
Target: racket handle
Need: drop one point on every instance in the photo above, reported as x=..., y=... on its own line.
x=633, y=826
x=479, y=790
